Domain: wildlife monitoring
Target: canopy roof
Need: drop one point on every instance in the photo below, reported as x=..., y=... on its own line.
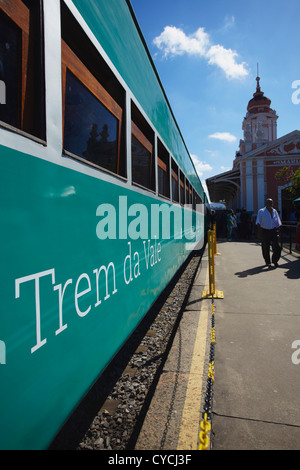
x=223, y=187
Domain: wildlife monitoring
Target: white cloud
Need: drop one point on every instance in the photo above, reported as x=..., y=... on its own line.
x=226, y=60
x=224, y=136
x=229, y=22
x=201, y=167
x=173, y=41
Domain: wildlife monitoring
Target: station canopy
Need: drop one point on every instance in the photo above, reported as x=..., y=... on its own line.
x=224, y=187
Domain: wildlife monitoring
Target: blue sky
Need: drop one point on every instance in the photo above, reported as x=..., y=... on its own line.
x=206, y=54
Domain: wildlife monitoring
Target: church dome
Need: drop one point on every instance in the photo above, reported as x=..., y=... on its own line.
x=259, y=103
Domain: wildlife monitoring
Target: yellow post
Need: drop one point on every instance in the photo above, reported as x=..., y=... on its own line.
x=215, y=238
x=211, y=270
x=211, y=262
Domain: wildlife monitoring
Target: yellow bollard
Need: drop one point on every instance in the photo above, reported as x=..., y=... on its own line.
x=215, y=238
x=217, y=294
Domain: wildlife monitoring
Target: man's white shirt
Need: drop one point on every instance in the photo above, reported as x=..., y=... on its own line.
x=265, y=220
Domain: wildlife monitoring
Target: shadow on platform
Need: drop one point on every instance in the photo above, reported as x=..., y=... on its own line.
x=292, y=270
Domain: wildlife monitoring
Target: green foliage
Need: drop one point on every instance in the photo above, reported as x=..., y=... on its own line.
x=287, y=175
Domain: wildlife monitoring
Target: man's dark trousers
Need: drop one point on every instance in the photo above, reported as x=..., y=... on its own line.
x=270, y=238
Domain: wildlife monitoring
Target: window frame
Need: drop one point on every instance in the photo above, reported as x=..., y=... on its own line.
x=163, y=163
x=163, y=166
x=194, y=199
x=70, y=61
x=198, y=202
x=174, y=176
x=20, y=15
x=187, y=191
x=140, y=136
x=182, y=188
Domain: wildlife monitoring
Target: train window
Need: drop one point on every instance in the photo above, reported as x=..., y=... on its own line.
x=187, y=191
x=9, y=64
x=181, y=188
x=163, y=163
x=194, y=199
x=198, y=202
x=92, y=118
x=93, y=102
x=174, y=177
x=21, y=67
x=142, y=153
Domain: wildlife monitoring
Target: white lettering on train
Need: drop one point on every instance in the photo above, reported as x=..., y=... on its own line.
x=101, y=284
x=83, y=286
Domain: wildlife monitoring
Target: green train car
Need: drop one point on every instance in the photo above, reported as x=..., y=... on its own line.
x=100, y=203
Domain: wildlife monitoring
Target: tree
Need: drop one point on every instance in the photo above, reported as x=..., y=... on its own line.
x=296, y=183
x=288, y=176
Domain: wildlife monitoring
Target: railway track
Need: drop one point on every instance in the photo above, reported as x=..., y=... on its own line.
x=112, y=413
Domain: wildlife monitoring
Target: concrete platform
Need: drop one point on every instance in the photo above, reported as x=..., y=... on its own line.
x=257, y=372
x=257, y=388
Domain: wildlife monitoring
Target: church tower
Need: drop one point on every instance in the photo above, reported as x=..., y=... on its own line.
x=260, y=156
x=260, y=123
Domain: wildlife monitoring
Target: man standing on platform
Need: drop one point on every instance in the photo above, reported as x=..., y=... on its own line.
x=268, y=223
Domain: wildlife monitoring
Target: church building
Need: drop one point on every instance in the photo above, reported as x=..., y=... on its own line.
x=261, y=154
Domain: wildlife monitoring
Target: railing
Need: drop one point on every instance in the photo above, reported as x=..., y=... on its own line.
x=288, y=233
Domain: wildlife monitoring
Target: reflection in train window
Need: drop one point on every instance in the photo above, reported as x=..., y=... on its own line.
x=163, y=170
x=187, y=191
x=142, y=153
x=141, y=163
x=181, y=182
x=90, y=130
x=194, y=199
x=92, y=120
x=10, y=36
x=174, y=175
x=191, y=195
x=22, y=93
